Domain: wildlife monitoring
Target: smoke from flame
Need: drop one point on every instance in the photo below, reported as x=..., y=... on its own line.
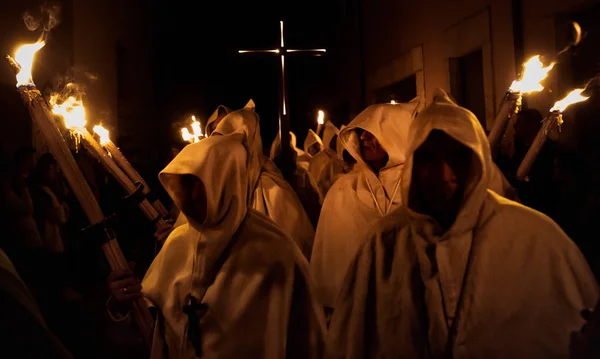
x=321, y=117
x=47, y=17
x=533, y=73
x=572, y=98
x=24, y=60
x=102, y=133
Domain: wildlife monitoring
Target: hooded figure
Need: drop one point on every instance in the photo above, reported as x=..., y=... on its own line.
x=459, y=271
x=312, y=143
x=302, y=157
x=272, y=195
x=230, y=283
x=319, y=161
x=339, y=164
x=301, y=181
x=360, y=198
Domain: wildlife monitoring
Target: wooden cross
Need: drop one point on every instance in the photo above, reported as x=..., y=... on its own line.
x=284, y=123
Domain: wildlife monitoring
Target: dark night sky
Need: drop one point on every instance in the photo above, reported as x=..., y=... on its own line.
x=199, y=68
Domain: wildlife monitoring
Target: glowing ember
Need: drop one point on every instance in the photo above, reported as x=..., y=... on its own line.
x=72, y=112
x=321, y=117
x=572, y=98
x=393, y=102
x=24, y=58
x=534, y=72
x=102, y=133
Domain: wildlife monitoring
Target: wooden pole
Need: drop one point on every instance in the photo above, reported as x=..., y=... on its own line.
x=41, y=115
x=122, y=161
x=509, y=106
x=90, y=143
x=551, y=121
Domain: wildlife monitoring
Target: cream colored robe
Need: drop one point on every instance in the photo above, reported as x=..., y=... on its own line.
x=319, y=161
x=260, y=301
x=503, y=282
x=359, y=198
x=272, y=195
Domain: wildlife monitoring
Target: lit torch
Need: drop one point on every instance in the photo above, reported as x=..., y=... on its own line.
x=534, y=72
x=73, y=114
x=41, y=115
x=320, y=121
x=553, y=121
x=124, y=164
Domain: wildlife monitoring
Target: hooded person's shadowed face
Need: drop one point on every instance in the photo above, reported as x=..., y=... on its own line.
x=440, y=170
x=371, y=151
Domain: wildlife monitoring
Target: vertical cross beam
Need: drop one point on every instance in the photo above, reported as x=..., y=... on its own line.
x=284, y=122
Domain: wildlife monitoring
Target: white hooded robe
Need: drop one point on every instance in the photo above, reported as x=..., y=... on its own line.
x=503, y=282
x=359, y=198
x=259, y=298
x=273, y=196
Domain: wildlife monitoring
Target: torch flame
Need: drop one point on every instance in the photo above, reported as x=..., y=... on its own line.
x=196, y=129
x=572, y=98
x=393, y=102
x=24, y=58
x=186, y=135
x=71, y=110
x=102, y=133
x=321, y=117
x=534, y=72
x=196, y=134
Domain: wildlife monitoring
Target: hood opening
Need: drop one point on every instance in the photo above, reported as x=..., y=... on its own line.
x=444, y=174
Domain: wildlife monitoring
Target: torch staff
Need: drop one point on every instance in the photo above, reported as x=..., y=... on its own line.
x=511, y=103
x=552, y=122
x=40, y=113
x=90, y=143
x=121, y=160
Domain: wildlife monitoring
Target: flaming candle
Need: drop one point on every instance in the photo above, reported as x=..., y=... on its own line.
x=73, y=113
x=320, y=121
x=122, y=162
x=41, y=115
x=534, y=72
x=552, y=121
x=196, y=134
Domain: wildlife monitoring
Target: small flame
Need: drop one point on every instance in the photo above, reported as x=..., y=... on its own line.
x=186, y=135
x=196, y=134
x=321, y=117
x=196, y=129
x=572, y=98
x=24, y=58
x=102, y=133
x=71, y=110
x=393, y=102
x=534, y=72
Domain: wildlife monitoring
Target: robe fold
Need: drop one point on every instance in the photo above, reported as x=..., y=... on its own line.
x=361, y=197
x=503, y=282
x=252, y=278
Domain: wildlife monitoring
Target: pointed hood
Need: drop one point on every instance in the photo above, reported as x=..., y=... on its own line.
x=329, y=132
x=389, y=124
x=276, y=147
x=246, y=122
x=220, y=163
x=311, y=139
x=213, y=120
x=462, y=125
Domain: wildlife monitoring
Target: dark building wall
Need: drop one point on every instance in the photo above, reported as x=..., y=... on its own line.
x=408, y=38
